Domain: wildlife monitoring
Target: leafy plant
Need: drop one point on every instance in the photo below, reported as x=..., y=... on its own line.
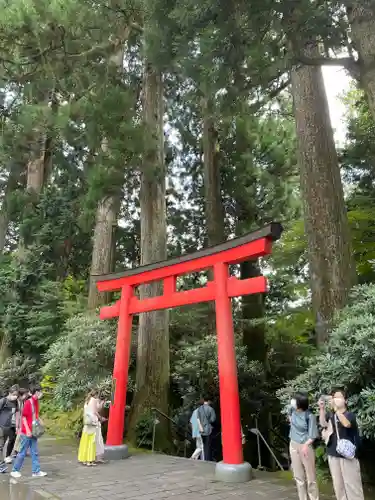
x=347, y=361
x=82, y=358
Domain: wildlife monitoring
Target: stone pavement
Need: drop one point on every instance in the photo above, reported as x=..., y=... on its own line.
x=141, y=477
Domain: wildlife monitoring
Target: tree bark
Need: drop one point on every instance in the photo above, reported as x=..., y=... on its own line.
x=253, y=336
x=11, y=185
x=253, y=309
x=332, y=267
x=39, y=166
x=361, y=15
x=104, y=243
x=102, y=251
x=212, y=178
x=212, y=193
x=152, y=372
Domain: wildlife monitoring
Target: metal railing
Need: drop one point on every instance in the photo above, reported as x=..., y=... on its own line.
x=187, y=438
x=185, y=435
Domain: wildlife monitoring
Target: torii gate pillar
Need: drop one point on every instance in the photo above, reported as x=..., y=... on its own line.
x=221, y=290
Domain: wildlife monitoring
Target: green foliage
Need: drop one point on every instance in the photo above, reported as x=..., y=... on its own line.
x=81, y=359
x=144, y=431
x=347, y=361
x=32, y=314
x=194, y=370
x=63, y=424
x=18, y=369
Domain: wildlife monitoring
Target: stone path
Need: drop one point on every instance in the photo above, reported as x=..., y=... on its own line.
x=141, y=477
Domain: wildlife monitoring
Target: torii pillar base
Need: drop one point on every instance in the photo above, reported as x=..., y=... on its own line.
x=230, y=473
x=119, y=452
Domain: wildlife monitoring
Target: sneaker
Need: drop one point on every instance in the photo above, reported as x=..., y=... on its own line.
x=40, y=474
x=3, y=470
x=8, y=460
x=15, y=474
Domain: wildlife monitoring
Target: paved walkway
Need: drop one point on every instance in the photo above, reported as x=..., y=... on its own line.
x=141, y=477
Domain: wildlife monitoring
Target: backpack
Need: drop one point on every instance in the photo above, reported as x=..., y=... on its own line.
x=37, y=429
x=206, y=424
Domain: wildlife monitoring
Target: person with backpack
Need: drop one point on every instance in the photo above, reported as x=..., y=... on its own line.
x=303, y=433
x=31, y=430
x=342, y=439
x=12, y=451
x=206, y=418
x=8, y=410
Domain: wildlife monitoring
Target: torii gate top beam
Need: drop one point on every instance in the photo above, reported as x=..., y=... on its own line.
x=251, y=245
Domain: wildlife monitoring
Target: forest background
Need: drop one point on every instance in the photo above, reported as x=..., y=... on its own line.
x=133, y=131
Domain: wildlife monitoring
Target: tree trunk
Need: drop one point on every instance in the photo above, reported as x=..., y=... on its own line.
x=35, y=175
x=102, y=252
x=104, y=244
x=253, y=309
x=11, y=185
x=212, y=178
x=212, y=193
x=253, y=335
x=39, y=166
x=332, y=267
x=152, y=372
x=361, y=15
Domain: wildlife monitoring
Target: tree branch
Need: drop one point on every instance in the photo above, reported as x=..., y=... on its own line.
x=254, y=108
x=346, y=62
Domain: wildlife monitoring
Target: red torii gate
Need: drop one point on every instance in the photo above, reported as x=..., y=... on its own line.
x=221, y=290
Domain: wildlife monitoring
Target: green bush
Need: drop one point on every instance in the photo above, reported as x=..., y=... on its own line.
x=63, y=424
x=18, y=369
x=195, y=370
x=348, y=360
x=82, y=358
x=144, y=431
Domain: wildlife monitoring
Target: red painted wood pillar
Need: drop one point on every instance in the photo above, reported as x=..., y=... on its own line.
x=229, y=395
x=120, y=370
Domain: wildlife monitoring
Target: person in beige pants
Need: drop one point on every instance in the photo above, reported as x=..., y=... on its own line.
x=303, y=432
x=341, y=424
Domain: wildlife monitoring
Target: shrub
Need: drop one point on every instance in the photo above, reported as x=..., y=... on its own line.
x=80, y=359
x=195, y=370
x=18, y=369
x=63, y=424
x=348, y=360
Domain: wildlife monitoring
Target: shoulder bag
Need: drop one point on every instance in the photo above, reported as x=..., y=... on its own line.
x=344, y=447
x=37, y=429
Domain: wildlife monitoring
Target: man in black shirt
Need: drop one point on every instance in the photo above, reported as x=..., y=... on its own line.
x=342, y=424
x=8, y=410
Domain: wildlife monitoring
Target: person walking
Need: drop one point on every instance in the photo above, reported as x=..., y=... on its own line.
x=196, y=434
x=206, y=418
x=31, y=430
x=303, y=433
x=342, y=447
x=8, y=410
x=12, y=452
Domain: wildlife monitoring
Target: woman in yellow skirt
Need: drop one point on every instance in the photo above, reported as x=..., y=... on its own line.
x=87, y=447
